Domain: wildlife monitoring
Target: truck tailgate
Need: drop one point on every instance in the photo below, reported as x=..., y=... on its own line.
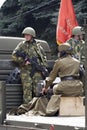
x=40, y=120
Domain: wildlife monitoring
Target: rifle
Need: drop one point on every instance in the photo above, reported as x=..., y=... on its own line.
x=35, y=65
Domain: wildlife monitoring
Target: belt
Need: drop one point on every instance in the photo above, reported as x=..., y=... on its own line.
x=69, y=78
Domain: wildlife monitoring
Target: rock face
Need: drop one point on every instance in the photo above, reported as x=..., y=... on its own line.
x=15, y=15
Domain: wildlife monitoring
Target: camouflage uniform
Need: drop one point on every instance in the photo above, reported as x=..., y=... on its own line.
x=78, y=49
x=31, y=48
x=78, y=45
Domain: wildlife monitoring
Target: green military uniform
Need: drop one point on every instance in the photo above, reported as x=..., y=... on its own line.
x=31, y=48
x=67, y=68
x=78, y=49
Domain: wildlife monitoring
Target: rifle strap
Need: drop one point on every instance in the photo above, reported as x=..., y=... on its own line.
x=38, y=51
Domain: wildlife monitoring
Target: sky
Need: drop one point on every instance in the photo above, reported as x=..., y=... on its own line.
x=1, y=2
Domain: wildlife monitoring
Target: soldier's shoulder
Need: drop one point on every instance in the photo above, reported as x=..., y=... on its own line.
x=76, y=59
x=44, y=44
x=21, y=43
x=69, y=40
x=59, y=59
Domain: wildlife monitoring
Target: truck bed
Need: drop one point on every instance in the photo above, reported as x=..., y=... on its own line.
x=26, y=120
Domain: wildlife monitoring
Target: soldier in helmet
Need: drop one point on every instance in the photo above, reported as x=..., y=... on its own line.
x=31, y=48
x=77, y=42
x=67, y=68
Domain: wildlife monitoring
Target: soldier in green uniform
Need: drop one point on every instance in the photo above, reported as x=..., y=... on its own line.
x=77, y=43
x=31, y=48
x=67, y=68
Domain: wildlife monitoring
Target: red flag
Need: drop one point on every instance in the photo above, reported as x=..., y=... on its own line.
x=66, y=21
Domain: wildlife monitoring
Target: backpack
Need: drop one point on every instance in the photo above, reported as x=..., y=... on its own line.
x=14, y=77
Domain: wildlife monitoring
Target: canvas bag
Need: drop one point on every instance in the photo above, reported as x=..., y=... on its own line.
x=39, y=108
x=53, y=105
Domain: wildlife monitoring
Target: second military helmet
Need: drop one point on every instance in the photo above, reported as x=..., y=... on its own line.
x=66, y=47
x=78, y=30
x=29, y=30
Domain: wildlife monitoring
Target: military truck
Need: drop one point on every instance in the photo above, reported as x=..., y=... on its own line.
x=11, y=96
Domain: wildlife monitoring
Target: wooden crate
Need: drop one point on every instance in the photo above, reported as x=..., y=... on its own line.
x=72, y=106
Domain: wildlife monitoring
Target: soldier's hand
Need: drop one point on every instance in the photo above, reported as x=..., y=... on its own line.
x=27, y=63
x=44, y=90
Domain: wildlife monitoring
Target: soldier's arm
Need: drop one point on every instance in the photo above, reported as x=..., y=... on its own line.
x=16, y=58
x=53, y=74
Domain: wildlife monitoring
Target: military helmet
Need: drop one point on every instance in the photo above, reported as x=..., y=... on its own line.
x=78, y=30
x=66, y=47
x=29, y=30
